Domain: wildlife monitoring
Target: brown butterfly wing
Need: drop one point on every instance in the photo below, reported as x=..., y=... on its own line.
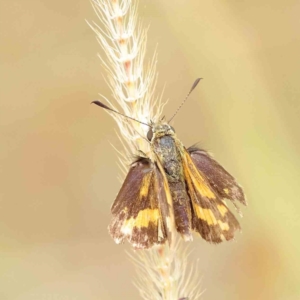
x=220, y=180
x=140, y=207
x=211, y=218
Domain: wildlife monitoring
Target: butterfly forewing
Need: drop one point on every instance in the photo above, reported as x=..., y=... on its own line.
x=138, y=208
x=221, y=181
x=210, y=218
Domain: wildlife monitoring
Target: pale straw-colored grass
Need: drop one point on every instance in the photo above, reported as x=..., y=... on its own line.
x=163, y=271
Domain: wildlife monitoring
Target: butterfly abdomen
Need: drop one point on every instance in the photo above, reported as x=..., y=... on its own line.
x=169, y=156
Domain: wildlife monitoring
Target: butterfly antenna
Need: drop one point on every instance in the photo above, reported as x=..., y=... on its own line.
x=115, y=111
x=192, y=88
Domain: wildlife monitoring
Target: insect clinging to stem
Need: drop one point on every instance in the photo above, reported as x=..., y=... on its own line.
x=174, y=189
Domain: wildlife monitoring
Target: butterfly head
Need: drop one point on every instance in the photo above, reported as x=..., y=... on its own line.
x=160, y=129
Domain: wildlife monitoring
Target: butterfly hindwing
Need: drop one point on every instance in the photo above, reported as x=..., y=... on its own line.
x=137, y=210
x=211, y=218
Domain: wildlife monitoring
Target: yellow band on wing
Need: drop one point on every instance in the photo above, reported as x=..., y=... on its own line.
x=145, y=186
x=143, y=219
x=224, y=226
x=222, y=209
x=208, y=216
x=198, y=180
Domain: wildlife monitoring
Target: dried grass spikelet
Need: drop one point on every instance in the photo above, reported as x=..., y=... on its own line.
x=164, y=273
x=163, y=270
x=123, y=40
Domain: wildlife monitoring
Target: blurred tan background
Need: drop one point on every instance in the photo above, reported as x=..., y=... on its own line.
x=58, y=171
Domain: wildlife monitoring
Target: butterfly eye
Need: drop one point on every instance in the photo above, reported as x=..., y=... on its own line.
x=172, y=128
x=150, y=134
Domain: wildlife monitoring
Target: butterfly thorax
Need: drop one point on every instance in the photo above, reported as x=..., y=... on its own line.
x=167, y=149
x=164, y=146
x=162, y=129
